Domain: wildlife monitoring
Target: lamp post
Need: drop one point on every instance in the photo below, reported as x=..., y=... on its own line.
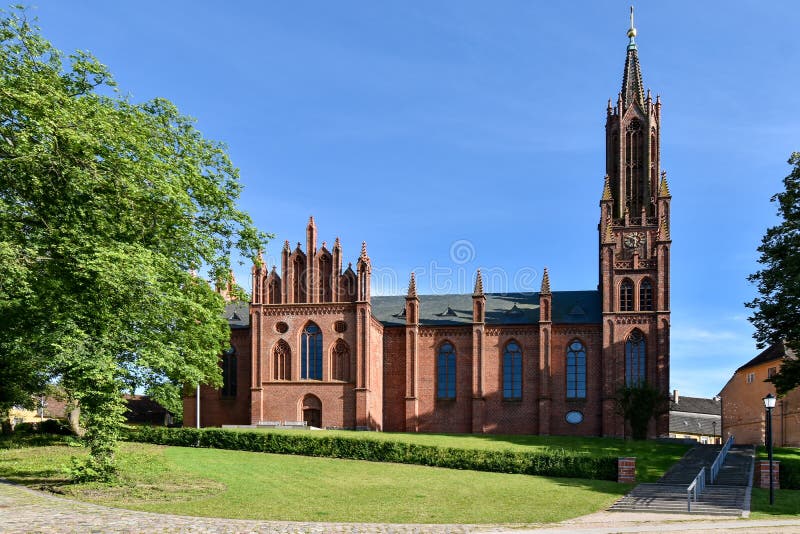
x=769, y=404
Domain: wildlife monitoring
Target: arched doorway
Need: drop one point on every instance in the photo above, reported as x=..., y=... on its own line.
x=312, y=411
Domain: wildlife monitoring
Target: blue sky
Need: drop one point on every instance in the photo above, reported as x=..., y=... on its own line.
x=452, y=135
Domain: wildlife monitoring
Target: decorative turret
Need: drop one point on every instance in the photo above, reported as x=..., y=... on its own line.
x=412, y=287
x=478, y=300
x=545, y=298
x=412, y=302
x=545, y=290
x=663, y=190
x=257, y=273
x=364, y=268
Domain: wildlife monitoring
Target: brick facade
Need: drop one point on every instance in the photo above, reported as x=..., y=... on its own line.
x=393, y=344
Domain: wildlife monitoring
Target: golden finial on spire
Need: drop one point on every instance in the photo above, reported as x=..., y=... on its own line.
x=632, y=30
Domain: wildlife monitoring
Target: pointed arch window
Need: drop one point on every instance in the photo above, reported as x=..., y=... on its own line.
x=646, y=295
x=626, y=295
x=282, y=355
x=576, y=370
x=446, y=372
x=340, y=360
x=512, y=371
x=311, y=353
x=635, y=359
x=229, y=375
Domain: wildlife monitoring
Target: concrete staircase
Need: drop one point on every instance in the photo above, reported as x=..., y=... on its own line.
x=729, y=496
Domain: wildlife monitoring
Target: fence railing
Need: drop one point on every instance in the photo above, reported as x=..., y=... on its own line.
x=696, y=488
x=717, y=465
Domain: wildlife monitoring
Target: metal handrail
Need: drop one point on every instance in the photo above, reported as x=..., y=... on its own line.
x=717, y=465
x=696, y=488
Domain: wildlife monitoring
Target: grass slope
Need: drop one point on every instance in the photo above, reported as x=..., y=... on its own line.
x=208, y=482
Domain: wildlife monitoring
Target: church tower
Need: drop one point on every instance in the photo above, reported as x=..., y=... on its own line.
x=634, y=246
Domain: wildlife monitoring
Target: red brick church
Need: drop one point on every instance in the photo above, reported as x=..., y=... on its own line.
x=314, y=345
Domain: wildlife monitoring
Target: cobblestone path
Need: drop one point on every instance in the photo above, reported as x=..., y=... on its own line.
x=25, y=510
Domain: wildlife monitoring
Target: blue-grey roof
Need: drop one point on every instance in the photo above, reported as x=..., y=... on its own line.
x=238, y=314
x=570, y=307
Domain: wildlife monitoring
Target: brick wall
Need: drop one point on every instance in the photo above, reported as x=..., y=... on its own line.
x=217, y=410
x=762, y=474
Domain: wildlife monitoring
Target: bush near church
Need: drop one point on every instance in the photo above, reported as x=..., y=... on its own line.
x=555, y=462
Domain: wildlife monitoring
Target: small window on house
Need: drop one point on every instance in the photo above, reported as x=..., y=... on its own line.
x=751, y=377
x=772, y=371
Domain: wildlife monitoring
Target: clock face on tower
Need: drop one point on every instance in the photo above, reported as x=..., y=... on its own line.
x=632, y=240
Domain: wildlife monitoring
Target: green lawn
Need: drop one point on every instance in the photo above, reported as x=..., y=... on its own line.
x=219, y=483
x=787, y=504
x=652, y=458
x=787, y=501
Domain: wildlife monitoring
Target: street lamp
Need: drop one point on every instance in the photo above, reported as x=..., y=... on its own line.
x=769, y=404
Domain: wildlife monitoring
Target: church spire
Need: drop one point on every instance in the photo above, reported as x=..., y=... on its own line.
x=632, y=86
x=478, y=285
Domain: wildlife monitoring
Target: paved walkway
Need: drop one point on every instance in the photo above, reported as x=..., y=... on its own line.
x=25, y=510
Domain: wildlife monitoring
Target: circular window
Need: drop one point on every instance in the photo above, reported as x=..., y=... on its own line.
x=574, y=417
x=340, y=326
x=282, y=327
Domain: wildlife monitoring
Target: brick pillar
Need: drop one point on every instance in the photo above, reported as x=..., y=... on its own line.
x=626, y=470
x=762, y=474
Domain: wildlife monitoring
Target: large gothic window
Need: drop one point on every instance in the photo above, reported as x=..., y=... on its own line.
x=626, y=295
x=229, y=369
x=646, y=295
x=576, y=370
x=341, y=361
x=635, y=359
x=512, y=371
x=282, y=355
x=446, y=372
x=311, y=353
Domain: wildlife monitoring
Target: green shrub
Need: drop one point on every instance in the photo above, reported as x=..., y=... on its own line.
x=552, y=462
x=790, y=474
x=48, y=426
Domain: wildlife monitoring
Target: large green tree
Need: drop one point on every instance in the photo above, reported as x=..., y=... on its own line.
x=777, y=308
x=107, y=207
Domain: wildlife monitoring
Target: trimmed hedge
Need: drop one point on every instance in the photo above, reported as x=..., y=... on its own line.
x=789, y=474
x=553, y=462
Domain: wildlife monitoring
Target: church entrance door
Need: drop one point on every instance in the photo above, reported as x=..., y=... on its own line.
x=312, y=411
